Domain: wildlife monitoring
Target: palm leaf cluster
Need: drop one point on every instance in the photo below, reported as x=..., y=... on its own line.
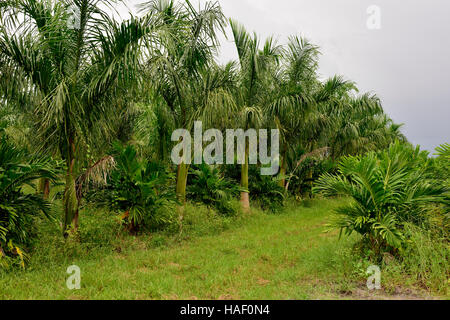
x=71, y=75
x=18, y=208
x=136, y=189
x=388, y=189
x=208, y=185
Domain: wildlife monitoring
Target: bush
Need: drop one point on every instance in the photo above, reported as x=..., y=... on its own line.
x=201, y=220
x=265, y=190
x=441, y=173
x=18, y=209
x=139, y=190
x=389, y=189
x=207, y=185
x=302, y=181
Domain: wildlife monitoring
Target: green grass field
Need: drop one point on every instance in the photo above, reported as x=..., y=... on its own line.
x=261, y=256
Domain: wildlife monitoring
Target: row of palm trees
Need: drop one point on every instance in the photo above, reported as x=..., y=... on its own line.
x=79, y=87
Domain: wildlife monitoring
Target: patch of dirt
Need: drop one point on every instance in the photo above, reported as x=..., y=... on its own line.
x=175, y=265
x=362, y=293
x=263, y=282
x=227, y=297
x=172, y=296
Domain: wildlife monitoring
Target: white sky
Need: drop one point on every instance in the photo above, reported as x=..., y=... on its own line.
x=406, y=62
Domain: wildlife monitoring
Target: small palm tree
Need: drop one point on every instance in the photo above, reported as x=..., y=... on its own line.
x=17, y=208
x=388, y=189
x=135, y=188
x=209, y=186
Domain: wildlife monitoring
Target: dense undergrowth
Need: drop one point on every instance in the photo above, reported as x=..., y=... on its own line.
x=289, y=255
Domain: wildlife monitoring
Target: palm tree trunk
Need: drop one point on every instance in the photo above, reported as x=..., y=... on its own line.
x=283, y=167
x=245, y=197
x=310, y=182
x=70, y=200
x=182, y=173
x=282, y=181
x=44, y=187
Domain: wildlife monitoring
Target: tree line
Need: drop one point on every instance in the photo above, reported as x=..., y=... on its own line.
x=93, y=108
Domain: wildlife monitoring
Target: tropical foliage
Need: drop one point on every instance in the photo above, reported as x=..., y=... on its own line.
x=88, y=107
x=72, y=75
x=138, y=190
x=389, y=189
x=18, y=208
x=208, y=185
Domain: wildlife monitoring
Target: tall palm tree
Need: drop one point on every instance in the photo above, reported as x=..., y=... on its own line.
x=74, y=71
x=345, y=122
x=360, y=125
x=317, y=124
x=292, y=95
x=253, y=83
x=183, y=70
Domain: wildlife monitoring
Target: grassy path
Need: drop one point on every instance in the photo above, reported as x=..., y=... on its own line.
x=285, y=256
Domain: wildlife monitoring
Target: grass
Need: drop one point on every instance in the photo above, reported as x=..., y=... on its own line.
x=259, y=256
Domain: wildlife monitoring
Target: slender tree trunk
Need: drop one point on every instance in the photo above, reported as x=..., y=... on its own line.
x=182, y=174
x=310, y=182
x=70, y=200
x=282, y=181
x=283, y=166
x=44, y=187
x=245, y=197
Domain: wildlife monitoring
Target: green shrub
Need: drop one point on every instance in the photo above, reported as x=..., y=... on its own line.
x=265, y=190
x=138, y=190
x=441, y=173
x=18, y=209
x=201, y=220
x=389, y=189
x=308, y=171
x=207, y=185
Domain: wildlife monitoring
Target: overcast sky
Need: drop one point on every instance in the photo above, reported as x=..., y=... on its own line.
x=406, y=62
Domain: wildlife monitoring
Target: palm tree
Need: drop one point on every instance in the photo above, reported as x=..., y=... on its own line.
x=183, y=70
x=360, y=125
x=292, y=97
x=73, y=72
x=388, y=188
x=347, y=123
x=17, y=208
x=253, y=84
